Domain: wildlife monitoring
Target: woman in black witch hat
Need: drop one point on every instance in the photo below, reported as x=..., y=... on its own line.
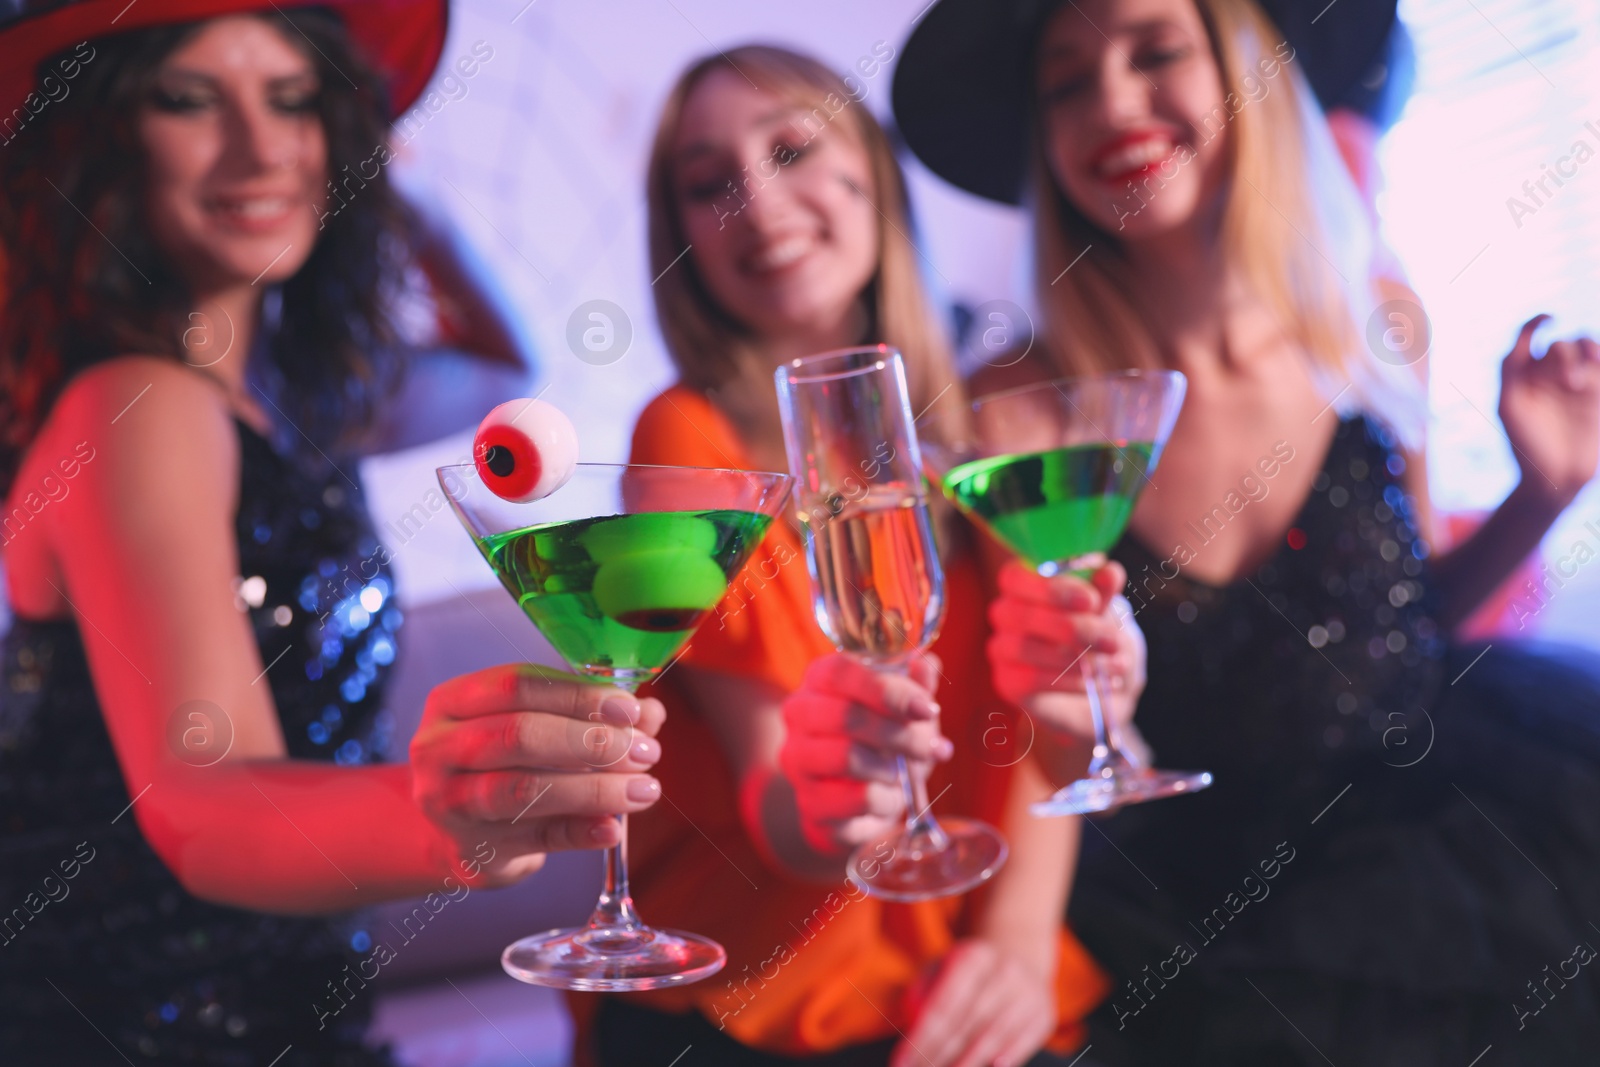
x=1397, y=863
x=197, y=343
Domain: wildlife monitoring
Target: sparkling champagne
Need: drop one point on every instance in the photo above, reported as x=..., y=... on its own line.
x=877, y=588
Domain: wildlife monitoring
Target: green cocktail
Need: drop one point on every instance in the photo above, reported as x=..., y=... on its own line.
x=620, y=594
x=1055, y=505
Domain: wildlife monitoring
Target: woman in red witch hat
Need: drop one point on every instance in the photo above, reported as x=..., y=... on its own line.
x=196, y=344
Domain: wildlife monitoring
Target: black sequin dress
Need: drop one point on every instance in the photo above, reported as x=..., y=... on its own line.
x=104, y=958
x=1399, y=863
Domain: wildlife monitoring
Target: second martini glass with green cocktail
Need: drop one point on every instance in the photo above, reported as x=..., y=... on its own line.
x=616, y=569
x=1055, y=471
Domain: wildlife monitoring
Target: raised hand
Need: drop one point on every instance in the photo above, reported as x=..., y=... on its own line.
x=843, y=729
x=1550, y=407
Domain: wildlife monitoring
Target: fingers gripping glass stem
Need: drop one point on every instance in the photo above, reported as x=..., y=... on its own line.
x=1115, y=776
x=919, y=814
x=926, y=858
x=615, y=950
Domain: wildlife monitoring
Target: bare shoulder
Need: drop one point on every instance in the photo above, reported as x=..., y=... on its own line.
x=113, y=388
x=143, y=392
x=140, y=421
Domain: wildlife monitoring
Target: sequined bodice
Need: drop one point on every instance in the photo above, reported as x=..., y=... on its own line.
x=163, y=974
x=1320, y=668
x=1325, y=654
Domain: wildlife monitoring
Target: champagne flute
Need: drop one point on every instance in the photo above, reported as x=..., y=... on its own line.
x=877, y=586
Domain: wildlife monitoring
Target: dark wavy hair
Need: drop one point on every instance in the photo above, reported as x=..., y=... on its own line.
x=84, y=280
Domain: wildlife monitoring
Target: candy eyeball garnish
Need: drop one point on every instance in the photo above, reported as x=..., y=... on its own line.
x=525, y=449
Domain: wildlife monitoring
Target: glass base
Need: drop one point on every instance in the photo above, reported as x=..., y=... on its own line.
x=612, y=959
x=916, y=866
x=1125, y=787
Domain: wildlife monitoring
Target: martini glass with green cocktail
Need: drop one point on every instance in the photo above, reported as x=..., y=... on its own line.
x=616, y=569
x=1054, y=477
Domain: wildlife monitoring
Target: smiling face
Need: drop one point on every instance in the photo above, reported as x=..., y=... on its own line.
x=791, y=244
x=236, y=153
x=1133, y=115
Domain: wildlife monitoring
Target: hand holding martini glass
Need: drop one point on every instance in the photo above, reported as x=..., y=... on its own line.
x=1054, y=477
x=616, y=567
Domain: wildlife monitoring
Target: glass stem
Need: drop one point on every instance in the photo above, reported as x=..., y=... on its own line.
x=920, y=822
x=1108, y=759
x=615, y=906
x=919, y=813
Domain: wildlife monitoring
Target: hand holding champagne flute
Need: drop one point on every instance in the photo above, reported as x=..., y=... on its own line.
x=877, y=584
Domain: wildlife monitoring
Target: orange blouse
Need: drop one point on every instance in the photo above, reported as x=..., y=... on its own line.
x=811, y=968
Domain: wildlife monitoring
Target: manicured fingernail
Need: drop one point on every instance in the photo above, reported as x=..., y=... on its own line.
x=944, y=749
x=645, y=750
x=602, y=833
x=620, y=709
x=641, y=789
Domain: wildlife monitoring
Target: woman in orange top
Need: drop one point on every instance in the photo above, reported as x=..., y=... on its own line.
x=778, y=228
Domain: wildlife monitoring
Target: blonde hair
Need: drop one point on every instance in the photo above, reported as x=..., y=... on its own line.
x=1292, y=226
x=707, y=345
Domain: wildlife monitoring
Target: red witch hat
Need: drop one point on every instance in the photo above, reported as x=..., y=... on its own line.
x=401, y=38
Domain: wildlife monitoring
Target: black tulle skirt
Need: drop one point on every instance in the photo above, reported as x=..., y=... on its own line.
x=1443, y=907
